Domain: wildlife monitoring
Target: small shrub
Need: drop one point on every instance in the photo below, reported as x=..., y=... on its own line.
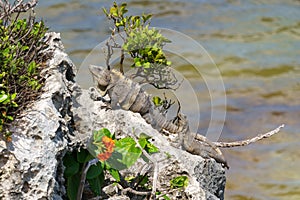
x=143, y=44
x=21, y=60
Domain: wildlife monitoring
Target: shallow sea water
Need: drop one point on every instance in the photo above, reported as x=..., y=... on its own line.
x=256, y=48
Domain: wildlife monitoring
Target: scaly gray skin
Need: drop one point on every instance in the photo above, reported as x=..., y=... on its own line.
x=129, y=95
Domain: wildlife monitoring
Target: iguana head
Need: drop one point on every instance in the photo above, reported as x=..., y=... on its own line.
x=101, y=76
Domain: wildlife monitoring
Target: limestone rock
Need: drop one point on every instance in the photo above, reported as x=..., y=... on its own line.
x=31, y=165
x=206, y=177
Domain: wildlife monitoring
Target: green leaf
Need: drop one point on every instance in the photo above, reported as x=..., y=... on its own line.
x=129, y=178
x=14, y=104
x=144, y=180
x=31, y=68
x=24, y=48
x=143, y=142
x=72, y=167
x=97, y=135
x=2, y=75
x=9, y=117
x=115, y=174
x=143, y=135
x=138, y=64
x=106, y=132
x=114, y=11
x=179, y=182
x=3, y=97
x=94, y=171
x=146, y=17
x=146, y=65
x=166, y=197
x=119, y=24
x=128, y=150
x=83, y=156
x=157, y=101
x=72, y=186
x=13, y=96
x=168, y=155
x=151, y=148
x=96, y=184
x=105, y=11
x=123, y=9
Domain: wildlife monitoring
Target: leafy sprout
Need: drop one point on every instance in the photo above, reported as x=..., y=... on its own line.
x=143, y=44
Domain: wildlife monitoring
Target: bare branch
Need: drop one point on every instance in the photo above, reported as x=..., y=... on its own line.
x=160, y=77
x=18, y=6
x=243, y=142
x=85, y=169
x=26, y=6
x=155, y=173
x=124, y=191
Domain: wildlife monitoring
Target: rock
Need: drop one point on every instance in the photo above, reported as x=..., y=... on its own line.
x=64, y=118
x=206, y=177
x=31, y=166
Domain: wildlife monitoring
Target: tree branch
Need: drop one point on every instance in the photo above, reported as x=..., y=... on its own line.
x=18, y=6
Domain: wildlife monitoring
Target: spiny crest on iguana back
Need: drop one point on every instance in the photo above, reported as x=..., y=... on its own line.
x=129, y=95
x=122, y=91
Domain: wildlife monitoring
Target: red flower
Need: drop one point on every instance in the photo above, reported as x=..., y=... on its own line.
x=104, y=156
x=109, y=148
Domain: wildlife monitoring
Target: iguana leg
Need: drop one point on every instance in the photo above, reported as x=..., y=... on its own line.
x=94, y=94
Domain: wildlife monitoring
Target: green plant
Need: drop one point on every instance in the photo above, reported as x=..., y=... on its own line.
x=179, y=182
x=114, y=155
x=21, y=60
x=143, y=44
x=74, y=163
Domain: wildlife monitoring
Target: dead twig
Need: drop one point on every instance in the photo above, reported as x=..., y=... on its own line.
x=17, y=7
x=243, y=142
x=155, y=172
x=124, y=191
x=83, y=177
x=168, y=192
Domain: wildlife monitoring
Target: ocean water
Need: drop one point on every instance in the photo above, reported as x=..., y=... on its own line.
x=241, y=63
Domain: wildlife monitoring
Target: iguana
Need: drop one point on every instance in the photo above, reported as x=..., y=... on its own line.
x=126, y=94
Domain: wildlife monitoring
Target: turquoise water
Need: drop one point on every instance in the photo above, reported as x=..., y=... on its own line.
x=256, y=47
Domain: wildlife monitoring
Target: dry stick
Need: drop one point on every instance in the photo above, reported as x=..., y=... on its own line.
x=168, y=192
x=18, y=6
x=23, y=7
x=155, y=172
x=124, y=191
x=243, y=142
x=121, y=61
x=83, y=177
x=108, y=54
